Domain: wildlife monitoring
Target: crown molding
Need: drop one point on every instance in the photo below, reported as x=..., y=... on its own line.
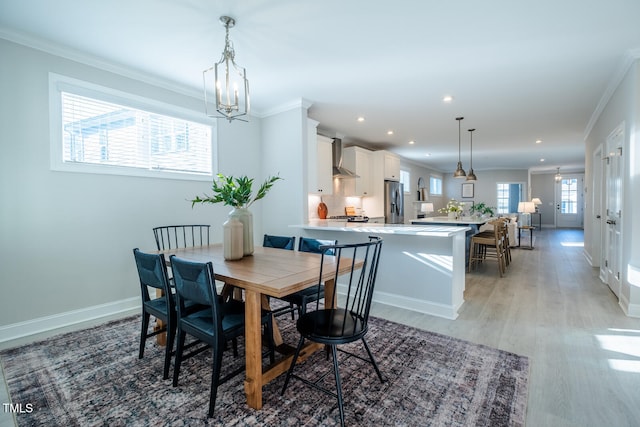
x=628, y=60
x=84, y=58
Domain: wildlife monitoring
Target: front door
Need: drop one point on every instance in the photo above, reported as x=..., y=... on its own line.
x=569, y=206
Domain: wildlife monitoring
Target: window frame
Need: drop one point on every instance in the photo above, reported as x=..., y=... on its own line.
x=431, y=192
x=405, y=179
x=59, y=83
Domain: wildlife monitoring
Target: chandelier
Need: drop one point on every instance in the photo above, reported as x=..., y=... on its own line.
x=459, y=173
x=226, y=88
x=471, y=176
x=558, y=177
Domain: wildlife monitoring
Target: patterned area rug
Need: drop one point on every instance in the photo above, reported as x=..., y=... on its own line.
x=94, y=377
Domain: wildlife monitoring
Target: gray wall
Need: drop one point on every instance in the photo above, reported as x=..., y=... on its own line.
x=622, y=107
x=66, y=238
x=485, y=189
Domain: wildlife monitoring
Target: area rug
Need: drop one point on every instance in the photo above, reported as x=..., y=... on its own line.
x=93, y=377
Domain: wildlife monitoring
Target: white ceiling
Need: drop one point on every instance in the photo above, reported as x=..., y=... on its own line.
x=518, y=71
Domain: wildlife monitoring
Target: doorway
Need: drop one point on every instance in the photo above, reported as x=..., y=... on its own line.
x=569, y=201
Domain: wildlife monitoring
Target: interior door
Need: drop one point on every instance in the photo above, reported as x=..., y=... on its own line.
x=613, y=232
x=569, y=205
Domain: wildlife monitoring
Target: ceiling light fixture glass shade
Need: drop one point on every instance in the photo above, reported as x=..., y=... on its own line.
x=558, y=177
x=226, y=88
x=459, y=173
x=471, y=176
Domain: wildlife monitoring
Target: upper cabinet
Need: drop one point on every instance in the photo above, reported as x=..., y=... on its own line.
x=391, y=167
x=320, y=179
x=358, y=160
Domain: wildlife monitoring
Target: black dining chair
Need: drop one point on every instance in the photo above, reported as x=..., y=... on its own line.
x=298, y=300
x=341, y=320
x=301, y=298
x=181, y=236
x=280, y=242
x=152, y=271
x=214, y=326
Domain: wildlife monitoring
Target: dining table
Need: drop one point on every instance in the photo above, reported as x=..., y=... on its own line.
x=268, y=272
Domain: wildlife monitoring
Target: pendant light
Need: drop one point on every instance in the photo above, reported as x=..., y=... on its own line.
x=471, y=176
x=558, y=177
x=459, y=173
x=226, y=88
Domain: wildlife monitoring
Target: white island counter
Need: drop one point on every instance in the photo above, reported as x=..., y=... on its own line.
x=422, y=267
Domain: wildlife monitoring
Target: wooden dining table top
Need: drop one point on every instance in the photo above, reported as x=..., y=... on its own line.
x=269, y=271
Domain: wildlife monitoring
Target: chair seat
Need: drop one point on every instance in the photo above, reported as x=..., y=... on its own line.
x=331, y=326
x=201, y=321
x=157, y=307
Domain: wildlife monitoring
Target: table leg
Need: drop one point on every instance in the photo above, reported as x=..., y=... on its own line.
x=329, y=287
x=253, y=338
x=161, y=339
x=277, y=336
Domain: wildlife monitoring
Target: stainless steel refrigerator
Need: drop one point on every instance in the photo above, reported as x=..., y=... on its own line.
x=393, y=202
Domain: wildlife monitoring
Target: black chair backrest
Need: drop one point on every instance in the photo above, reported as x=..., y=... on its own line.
x=308, y=244
x=280, y=242
x=152, y=271
x=195, y=282
x=359, y=281
x=181, y=236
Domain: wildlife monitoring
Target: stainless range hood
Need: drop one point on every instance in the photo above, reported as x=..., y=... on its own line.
x=338, y=170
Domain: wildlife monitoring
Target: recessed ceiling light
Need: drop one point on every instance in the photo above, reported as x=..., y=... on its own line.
x=360, y=119
x=542, y=160
x=538, y=141
x=389, y=132
x=428, y=155
x=412, y=142
x=447, y=98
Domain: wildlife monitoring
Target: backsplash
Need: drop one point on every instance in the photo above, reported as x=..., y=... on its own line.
x=337, y=201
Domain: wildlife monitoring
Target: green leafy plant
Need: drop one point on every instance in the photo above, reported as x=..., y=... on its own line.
x=482, y=208
x=236, y=192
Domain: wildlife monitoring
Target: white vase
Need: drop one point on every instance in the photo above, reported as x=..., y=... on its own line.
x=245, y=216
x=452, y=215
x=233, y=236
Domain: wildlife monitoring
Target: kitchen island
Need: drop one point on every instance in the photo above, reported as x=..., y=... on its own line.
x=472, y=223
x=422, y=267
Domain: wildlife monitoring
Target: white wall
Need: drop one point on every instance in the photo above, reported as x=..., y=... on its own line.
x=66, y=238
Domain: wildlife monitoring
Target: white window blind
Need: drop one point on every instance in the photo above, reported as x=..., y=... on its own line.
x=103, y=133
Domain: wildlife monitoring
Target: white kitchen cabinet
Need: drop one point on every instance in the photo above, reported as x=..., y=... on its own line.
x=320, y=164
x=358, y=160
x=391, y=167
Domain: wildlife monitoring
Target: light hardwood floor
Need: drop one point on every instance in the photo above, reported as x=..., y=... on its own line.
x=584, y=352
x=551, y=307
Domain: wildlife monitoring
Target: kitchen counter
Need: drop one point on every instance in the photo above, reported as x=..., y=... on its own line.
x=422, y=267
x=465, y=220
x=367, y=227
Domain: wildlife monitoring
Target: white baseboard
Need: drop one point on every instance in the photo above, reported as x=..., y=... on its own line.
x=421, y=306
x=75, y=319
x=631, y=310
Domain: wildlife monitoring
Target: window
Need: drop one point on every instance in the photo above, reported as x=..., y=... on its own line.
x=99, y=130
x=569, y=196
x=435, y=185
x=503, y=198
x=509, y=195
x=405, y=179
